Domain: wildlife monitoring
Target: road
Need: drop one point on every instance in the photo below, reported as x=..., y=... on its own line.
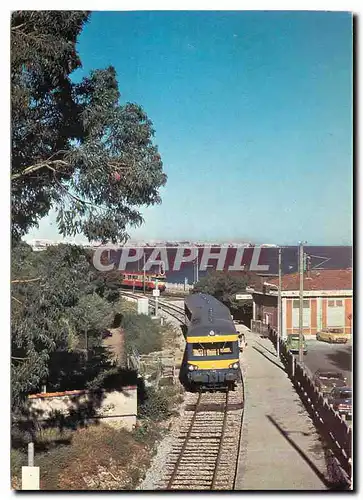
x=322, y=355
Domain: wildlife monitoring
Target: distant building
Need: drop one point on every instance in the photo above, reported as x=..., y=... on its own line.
x=328, y=301
x=40, y=244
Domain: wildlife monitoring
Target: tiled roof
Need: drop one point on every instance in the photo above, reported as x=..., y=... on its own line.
x=71, y=393
x=323, y=279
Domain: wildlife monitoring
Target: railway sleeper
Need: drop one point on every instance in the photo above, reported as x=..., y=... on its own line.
x=192, y=467
x=207, y=466
x=193, y=450
x=196, y=450
x=212, y=454
x=185, y=475
x=210, y=432
x=183, y=487
x=199, y=439
x=210, y=458
x=190, y=481
x=187, y=459
x=203, y=441
x=210, y=429
x=202, y=446
x=185, y=478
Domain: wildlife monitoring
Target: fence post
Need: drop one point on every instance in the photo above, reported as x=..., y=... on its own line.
x=30, y=477
x=31, y=454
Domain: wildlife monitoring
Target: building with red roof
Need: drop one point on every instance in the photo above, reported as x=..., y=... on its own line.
x=328, y=297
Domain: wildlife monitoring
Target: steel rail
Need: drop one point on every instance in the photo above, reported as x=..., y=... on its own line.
x=224, y=425
x=185, y=444
x=168, y=308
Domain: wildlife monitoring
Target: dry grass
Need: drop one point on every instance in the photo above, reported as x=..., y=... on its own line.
x=102, y=458
x=98, y=457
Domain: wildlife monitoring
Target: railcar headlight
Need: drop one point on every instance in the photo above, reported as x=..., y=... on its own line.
x=192, y=367
x=234, y=365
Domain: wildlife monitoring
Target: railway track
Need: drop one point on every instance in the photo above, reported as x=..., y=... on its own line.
x=172, y=309
x=205, y=454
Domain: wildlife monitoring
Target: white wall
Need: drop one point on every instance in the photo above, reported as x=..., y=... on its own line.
x=118, y=408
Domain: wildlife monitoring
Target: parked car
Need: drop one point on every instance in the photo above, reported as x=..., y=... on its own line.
x=333, y=336
x=340, y=400
x=106, y=333
x=292, y=344
x=326, y=381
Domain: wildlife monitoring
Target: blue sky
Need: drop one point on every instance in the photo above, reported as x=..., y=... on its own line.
x=253, y=119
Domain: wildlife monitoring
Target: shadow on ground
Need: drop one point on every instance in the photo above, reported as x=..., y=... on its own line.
x=337, y=485
x=342, y=359
x=269, y=359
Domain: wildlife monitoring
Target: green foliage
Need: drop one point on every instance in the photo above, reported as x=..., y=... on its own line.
x=18, y=459
x=74, y=146
x=224, y=286
x=49, y=316
x=156, y=405
x=107, y=284
x=91, y=314
x=126, y=306
x=147, y=432
x=142, y=333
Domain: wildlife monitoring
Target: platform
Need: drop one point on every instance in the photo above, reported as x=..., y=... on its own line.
x=280, y=448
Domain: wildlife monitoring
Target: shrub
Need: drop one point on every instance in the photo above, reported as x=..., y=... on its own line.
x=155, y=405
x=52, y=436
x=147, y=433
x=17, y=460
x=142, y=333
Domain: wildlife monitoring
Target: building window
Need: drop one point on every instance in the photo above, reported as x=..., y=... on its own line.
x=296, y=311
x=335, y=303
x=335, y=313
x=296, y=303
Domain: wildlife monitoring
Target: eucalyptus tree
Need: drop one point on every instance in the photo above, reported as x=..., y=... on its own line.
x=75, y=147
x=54, y=300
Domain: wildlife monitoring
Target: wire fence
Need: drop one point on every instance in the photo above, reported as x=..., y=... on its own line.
x=260, y=328
x=334, y=430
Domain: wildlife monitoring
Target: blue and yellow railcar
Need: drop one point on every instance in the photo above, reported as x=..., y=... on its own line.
x=212, y=349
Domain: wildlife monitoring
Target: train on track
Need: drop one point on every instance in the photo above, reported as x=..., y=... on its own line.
x=135, y=280
x=212, y=348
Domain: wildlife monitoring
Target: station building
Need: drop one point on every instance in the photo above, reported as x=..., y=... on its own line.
x=328, y=301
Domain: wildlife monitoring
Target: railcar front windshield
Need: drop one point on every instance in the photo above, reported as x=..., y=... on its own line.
x=213, y=349
x=159, y=278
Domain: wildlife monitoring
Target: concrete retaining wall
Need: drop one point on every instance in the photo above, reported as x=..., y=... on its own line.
x=117, y=408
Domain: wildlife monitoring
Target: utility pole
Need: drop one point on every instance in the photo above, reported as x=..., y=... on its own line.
x=156, y=299
x=144, y=272
x=197, y=270
x=279, y=308
x=301, y=301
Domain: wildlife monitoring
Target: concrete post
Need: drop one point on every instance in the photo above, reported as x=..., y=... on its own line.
x=30, y=454
x=30, y=476
x=301, y=300
x=279, y=308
